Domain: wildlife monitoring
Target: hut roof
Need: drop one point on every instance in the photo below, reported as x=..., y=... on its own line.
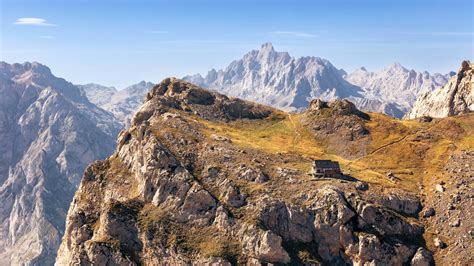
x=326, y=164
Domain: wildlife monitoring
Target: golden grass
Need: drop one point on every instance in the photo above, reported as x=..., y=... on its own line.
x=392, y=146
x=413, y=161
x=282, y=135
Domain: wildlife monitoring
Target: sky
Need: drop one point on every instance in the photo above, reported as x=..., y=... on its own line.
x=119, y=43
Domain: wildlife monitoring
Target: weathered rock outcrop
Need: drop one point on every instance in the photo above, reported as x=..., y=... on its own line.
x=340, y=124
x=173, y=193
x=49, y=133
x=456, y=97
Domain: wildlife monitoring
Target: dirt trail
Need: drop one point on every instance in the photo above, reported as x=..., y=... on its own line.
x=297, y=133
x=379, y=148
x=388, y=144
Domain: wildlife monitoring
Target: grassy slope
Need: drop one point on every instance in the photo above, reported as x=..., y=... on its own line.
x=394, y=147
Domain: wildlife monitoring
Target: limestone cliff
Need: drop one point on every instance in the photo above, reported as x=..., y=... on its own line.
x=456, y=97
x=49, y=133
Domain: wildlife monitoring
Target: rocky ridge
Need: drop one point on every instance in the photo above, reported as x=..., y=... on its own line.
x=456, y=97
x=177, y=191
x=340, y=124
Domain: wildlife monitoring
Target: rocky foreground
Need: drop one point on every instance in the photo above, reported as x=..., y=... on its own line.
x=204, y=178
x=449, y=208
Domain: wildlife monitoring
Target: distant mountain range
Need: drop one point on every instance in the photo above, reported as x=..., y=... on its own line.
x=396, y=86
x=277, y=79
x=122, y=103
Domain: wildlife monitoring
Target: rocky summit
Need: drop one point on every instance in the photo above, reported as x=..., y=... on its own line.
x=203, y=178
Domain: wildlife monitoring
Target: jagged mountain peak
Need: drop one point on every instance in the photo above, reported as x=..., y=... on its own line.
x=266, y=55
x=40, y=76
x=32, y=78
x=277, y=79
x=395, y=86
x=140, y=88
x=25, y=72
x=267, y=48
x=143, y=82
x=26, y=66
x=397, y=66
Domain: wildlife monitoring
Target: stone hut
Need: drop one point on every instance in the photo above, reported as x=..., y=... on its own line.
x=326, y=169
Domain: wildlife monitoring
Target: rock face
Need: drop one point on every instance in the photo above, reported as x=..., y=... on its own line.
x=49, y=132
x=123, y=103
x=396, y=87
x=456, y=97
x=174, y=193
x=279, y=80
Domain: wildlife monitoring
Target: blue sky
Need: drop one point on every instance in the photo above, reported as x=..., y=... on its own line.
x=118, y=43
